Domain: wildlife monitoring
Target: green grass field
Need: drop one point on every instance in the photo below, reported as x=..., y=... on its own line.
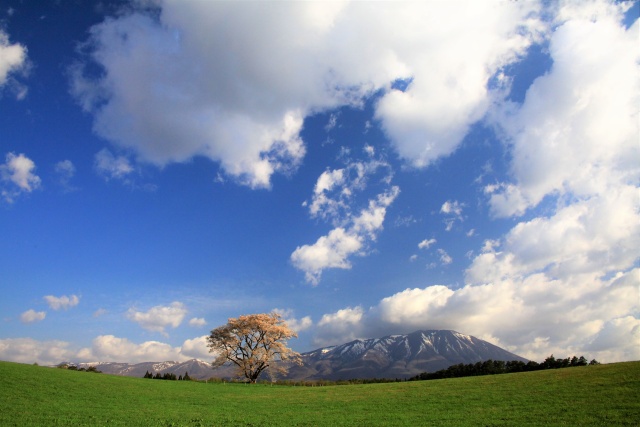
x=602, y=395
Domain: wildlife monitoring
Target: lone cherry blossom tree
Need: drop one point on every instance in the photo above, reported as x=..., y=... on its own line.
x=253, y=343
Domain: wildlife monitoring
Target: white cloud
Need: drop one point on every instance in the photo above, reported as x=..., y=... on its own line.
x=17, y=176
x=109, y=348
x=416, y=303
x=325, y=206
x=334, y=249
x=111, y=167
x=196, y=348
x=430, y=117
x=450, y=207
x=330, y=251
x=595, y=236
x=339, y=327
x=197, y=322
x=104, y=348
x=63, y=302
x=370, y=220
x=301, y=324
x=31, y=316
x=426, y=243
x=333, y=121
x=29, y=350
x=453, y=211
x=298, y=325
x=576, y=134
x=334, y=200
x=445, y=258
x=159, y=317
x=335, y=190
x=174, y=88
x=370, y=150
x=13, y=59
x=616, y=331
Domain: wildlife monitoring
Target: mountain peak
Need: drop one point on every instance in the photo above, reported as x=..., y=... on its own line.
x=398, y=356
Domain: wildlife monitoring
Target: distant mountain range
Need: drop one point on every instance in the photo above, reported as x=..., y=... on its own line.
x=393, y=356
x=197, y=369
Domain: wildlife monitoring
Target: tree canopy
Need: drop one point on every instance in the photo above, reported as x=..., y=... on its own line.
x=253, y=343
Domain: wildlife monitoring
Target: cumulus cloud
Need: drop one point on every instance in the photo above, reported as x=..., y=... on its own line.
x=63, y=302
x=197, y=322
x=453, y=212
x=452, y=207
x=337, y=199
x=17, y=176
x=158, y=318
x=429, y=118
x=196, y=348
x=445, y=258
x=576, y=134
x=339, y=327
x=110, y=166
x=173, y=87
x=298, y=325
x=29, y=350
x=334, y=249
x=336, y=189
x=13, y=60
x=113, y=349
x=330, y=251
x=104, y=348
x=426, y=243
x=31, y=316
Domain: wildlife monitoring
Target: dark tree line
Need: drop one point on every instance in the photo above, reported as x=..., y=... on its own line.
x=493, y=367
x=167, y=376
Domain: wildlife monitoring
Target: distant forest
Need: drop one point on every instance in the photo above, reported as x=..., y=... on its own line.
x=493, y=367
x=167, y=376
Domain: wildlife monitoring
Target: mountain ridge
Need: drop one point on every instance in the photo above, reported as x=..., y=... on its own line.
x=392, y=356
x=398, y=356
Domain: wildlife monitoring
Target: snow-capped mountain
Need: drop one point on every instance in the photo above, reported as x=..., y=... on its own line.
x=397, y=356
x=393, y=356
x=196, y=368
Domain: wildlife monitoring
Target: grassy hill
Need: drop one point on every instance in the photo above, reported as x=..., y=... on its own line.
x=591, y=395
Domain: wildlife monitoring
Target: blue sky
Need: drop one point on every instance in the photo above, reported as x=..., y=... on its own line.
x=363, y=168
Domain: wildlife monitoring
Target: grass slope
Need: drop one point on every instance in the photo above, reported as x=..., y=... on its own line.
x=592, y=395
